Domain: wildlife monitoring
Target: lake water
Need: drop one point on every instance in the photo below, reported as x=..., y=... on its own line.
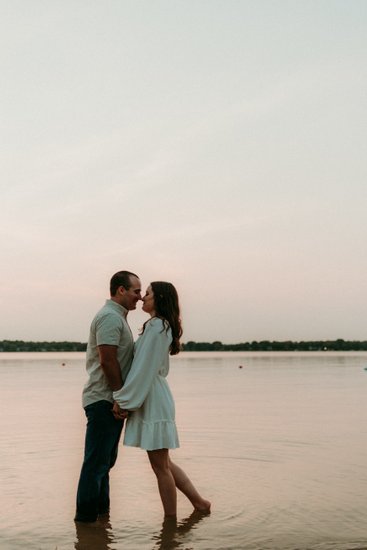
x=279, y=446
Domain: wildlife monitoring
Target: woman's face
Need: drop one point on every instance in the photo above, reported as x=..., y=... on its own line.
x=148, y=302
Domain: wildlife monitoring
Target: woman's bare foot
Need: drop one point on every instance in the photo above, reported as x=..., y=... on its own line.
x=203, y=506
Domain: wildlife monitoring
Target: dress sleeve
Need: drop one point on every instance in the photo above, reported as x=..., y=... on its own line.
x=147, y=361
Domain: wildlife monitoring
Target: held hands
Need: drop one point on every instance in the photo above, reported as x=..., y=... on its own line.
x=118, y=413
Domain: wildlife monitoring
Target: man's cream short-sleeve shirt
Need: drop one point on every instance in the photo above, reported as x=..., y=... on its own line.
x=108, y=327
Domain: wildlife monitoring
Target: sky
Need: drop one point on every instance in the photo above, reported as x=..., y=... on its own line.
x=216, y=144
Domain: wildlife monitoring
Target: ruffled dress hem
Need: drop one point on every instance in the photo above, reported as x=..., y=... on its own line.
x=151, y=436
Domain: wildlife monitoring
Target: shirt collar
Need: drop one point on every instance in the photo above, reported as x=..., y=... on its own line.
x=121, y=309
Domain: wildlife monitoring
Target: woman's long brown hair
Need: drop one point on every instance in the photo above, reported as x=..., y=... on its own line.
x=167, y=307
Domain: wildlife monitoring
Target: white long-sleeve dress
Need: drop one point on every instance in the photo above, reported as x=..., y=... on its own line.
x=146, y=392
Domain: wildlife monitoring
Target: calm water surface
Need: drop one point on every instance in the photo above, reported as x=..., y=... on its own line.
x=279, y=446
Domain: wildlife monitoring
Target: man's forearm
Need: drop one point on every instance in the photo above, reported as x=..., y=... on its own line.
x=112, y=372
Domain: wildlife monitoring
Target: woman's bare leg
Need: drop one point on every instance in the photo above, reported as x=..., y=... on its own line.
x=160, y=463
x=184, y=484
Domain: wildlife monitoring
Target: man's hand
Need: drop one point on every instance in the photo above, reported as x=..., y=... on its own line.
x=118, y=413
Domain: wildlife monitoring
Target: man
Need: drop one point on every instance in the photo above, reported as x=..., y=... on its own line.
x=108, y=361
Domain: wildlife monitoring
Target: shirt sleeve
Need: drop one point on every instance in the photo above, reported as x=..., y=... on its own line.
x=108, y=330
x=147, y=361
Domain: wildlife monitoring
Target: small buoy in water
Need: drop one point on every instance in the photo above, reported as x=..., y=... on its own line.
x=63, y=364
x=240, y=366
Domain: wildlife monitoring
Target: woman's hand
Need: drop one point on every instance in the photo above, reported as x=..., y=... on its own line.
x=118, y=413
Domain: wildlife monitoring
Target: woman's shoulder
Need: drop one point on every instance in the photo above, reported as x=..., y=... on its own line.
x=157, y=324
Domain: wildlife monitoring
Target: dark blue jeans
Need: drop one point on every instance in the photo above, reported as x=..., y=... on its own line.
x=100, y=454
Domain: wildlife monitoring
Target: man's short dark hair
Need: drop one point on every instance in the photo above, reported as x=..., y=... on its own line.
x=121, y=278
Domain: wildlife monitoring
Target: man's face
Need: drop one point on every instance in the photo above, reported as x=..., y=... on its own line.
x=130, y=297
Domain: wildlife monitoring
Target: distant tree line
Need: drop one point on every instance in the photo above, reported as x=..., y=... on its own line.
x=263, y=345
x=288, y=345
x=20, y=345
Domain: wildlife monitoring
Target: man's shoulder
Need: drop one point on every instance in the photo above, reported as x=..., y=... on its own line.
x=108, y=313
x=109, y=307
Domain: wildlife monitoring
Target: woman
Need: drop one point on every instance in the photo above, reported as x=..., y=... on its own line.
x=146, y=392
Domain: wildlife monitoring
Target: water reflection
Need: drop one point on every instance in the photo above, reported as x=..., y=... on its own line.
x=172, y=534
x=99, y=535
x=94, y=536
